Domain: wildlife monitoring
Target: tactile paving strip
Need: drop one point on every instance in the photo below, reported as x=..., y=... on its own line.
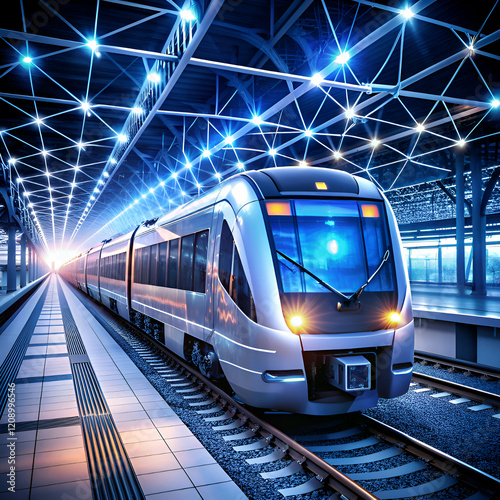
x=111, y=473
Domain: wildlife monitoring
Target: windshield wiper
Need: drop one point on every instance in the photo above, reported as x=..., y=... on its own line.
x=385, y=258
x=312, y=275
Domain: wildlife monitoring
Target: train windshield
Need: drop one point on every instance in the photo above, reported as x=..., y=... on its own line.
x=341, y=242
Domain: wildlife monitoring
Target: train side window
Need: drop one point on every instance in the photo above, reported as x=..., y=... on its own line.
x=232, y=275
x=240, y=289
x=162, y=264
x=225, y=255
x=123, y=258
x=173, y=260
x=153, y=262
x=145, y=265
x=137, y=265
x=187, y=253
x=200, y=262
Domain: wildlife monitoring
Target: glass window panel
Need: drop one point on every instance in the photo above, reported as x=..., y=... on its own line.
x=424, y=265
x=200, y=262
x=240, y=289
x=493, y=264
x=137, y=265
x=225, y=255
x=173, y=261
x=449, y=262
x=162, y=263
x=145, y=265
x=187, y=252
x=153, y=265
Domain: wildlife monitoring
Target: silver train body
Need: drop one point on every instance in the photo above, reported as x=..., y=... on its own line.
x=260, y=280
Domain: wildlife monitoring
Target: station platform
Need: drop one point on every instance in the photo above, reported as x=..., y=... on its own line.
x=448, y=303
x=79, y=419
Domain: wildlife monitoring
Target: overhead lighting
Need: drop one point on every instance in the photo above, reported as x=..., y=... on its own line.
x=407, y=13
x=337, y=155
x=495, y=103
x=272, y=152
x=256, y=120
x=19, y=180
x=187, y=15
x=85, y=106
x=218, y=175
x=122, y=137
x=183, y=193
x=136, y=202
x=92, y=44
x=76, y=167
x=206, y=153
x=419, y=128
x=81, y=145
x=101, y=182
x=92, y=198
x=154, y=77
x=73, y=185
x=113, y=161
x=374, y=143
x=229, y=139
x=349, y=113
x=308, y=133
x=27, y=60
x=198, y=185
x=38, y=121
x=44, y=153
x=48, y=175
x=342, y=58
x=188, y=165
x=12, y=161
x=302, y=164
x=162, y=183
x=96, y=190
x=461, y=143
x=137, y=110
x=240, y=165
x=174, y=175
x=151, y=190
x=317, y=79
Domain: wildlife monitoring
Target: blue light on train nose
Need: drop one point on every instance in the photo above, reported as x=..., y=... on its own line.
x=284, y=376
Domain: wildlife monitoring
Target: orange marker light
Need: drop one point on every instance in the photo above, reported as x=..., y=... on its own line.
x=370, y=211
x=321, y=185
x=278, y=208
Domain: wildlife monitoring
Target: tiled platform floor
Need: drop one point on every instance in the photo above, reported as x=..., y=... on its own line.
x=170, y=463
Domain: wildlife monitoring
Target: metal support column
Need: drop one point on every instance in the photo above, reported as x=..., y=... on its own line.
x=22, y=276
x=30, y=263
x=11, y=259
x=478, y=225
x=460, y=207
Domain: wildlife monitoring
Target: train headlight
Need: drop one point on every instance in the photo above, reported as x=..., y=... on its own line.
x=395, y=317
x=296, y=321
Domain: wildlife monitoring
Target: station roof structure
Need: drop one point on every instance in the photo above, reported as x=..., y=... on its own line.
x=115, y=111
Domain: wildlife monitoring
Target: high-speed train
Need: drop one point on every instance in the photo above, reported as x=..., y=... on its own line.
x=289, y=282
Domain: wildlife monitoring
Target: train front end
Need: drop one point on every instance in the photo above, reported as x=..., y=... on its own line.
x=341, y=292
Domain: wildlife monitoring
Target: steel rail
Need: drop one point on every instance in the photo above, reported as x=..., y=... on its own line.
x=465, y=366
x=458, y=389
x=453, y=466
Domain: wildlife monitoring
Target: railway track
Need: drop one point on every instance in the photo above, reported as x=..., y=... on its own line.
x=353, y=457
x=452, y=365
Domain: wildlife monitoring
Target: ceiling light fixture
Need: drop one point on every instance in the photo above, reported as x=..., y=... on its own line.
x=342, y=58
